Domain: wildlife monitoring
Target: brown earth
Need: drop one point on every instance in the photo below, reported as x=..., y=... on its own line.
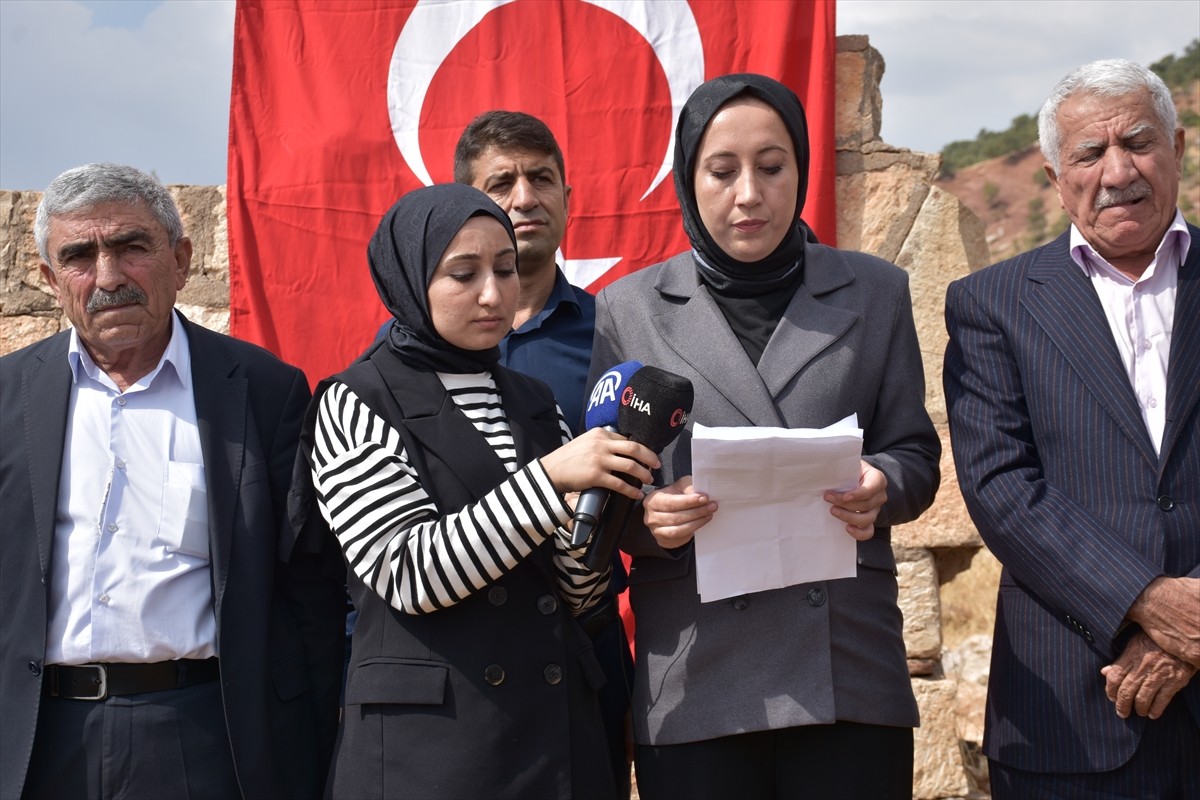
x=1011, y=192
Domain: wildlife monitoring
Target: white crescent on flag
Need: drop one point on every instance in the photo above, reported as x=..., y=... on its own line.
x=434, y=29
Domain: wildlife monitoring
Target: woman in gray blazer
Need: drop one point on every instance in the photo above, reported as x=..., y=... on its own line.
x=802, y=691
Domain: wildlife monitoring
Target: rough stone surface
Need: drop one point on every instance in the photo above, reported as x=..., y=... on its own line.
x=970, y=579
x=968, y=665
x=876, y=210
x=858, y=106
x=946, y=242
x=946, y=523
x=937, y=762
x=216, y=319
x=919, y=602
x=18, y=332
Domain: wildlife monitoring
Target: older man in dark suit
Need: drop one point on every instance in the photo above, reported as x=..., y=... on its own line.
x=161, y=637
x=1073, y=387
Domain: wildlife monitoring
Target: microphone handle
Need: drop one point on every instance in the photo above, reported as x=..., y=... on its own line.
x=616, y=515
x=588, y=509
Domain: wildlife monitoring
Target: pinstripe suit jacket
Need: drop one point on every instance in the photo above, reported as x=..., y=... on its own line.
x=1061, y=478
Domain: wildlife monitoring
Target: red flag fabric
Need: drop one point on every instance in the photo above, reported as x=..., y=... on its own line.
x=337, y=109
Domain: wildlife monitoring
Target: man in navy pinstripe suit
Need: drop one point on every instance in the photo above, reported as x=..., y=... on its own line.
x=1072, y=382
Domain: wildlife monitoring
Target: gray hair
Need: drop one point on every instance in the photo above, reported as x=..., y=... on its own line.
x=93, y=184
x=1115, y=77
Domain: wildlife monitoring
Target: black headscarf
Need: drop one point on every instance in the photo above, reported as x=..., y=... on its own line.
x=404, y=253
x=723, y=273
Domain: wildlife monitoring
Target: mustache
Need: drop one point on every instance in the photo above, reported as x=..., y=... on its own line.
x=121, y=296
x=1138, y=190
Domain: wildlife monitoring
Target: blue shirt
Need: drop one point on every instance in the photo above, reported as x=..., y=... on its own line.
x=554, y=346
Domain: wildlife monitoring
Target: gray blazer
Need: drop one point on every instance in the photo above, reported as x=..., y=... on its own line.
x=808, y=654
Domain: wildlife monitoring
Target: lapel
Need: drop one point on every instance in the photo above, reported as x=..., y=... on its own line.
x=810, y=324
x=698, y=332
x=45, y=398
x=1183, y=374
x=443, y=431
x=1062, y=301
x=219, y=391
x=533, y=419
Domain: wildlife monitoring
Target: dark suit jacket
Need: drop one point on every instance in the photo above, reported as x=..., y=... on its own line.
x=1061, y=478
x=494, y=696
x=279, y=625
x=809, y=654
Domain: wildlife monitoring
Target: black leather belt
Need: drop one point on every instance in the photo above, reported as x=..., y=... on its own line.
x=599, y=616
x=98, y=681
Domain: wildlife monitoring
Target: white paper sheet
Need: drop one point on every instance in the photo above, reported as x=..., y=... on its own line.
x=772, y=527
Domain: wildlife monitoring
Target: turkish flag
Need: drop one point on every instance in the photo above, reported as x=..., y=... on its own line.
x=338, y=109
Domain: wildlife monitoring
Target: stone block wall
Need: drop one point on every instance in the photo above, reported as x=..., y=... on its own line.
x=887, y=205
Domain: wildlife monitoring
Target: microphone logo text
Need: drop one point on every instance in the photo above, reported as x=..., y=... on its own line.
x=630, y=399
x=605, y=390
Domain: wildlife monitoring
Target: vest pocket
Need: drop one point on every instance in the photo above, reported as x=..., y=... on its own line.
x=391, y=680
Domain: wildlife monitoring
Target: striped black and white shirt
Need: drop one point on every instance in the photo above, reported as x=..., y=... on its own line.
x=389, y=528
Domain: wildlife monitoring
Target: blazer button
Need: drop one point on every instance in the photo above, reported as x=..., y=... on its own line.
x=494, y=674
x=497, y=595
x=741, y=603
x=35, y=668
x=547, y=604
x=1166, y=503
x=553, y=674
x=816, y=597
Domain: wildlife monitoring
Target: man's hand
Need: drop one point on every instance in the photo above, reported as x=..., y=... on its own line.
x=1144, y=678
x=1168, y=610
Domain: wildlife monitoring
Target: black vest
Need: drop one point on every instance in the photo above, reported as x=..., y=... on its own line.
x=494, y=696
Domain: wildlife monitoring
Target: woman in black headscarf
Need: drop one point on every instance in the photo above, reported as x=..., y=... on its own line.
x=444, y=478
x=801, y=691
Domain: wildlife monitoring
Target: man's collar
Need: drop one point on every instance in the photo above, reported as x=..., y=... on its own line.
x=1085, y=256
x=177, y=355
x=562, y=292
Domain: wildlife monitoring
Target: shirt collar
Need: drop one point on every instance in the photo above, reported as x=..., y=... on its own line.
x=177, y=358
x=1175, y=244
x=562, y=292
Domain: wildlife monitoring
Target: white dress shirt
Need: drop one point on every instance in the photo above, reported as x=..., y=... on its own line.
x=130, y=576
x=1141, y=314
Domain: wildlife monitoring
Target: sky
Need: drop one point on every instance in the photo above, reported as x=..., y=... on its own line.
x=146, y=82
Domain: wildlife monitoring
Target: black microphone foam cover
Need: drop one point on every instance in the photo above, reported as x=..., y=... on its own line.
x=654, y=407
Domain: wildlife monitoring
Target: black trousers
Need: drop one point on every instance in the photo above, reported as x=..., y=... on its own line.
x=1165, y=766
x=153, y=745
x=822, y=762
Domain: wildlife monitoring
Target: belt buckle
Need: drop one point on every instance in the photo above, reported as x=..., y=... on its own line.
x=102, y=690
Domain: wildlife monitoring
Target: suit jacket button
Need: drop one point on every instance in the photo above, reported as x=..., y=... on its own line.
x=741, y=603
x=494, y=674
x=553, y=674
x=547, y=604
x=497, y=595
x=1166, y=503
x=35, y=668
x=816, y=597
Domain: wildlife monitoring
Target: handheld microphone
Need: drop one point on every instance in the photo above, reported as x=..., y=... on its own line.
x=653, y=411
x=601, y=413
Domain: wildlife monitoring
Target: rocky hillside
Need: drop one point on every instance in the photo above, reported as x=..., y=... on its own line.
x=1020, y=208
